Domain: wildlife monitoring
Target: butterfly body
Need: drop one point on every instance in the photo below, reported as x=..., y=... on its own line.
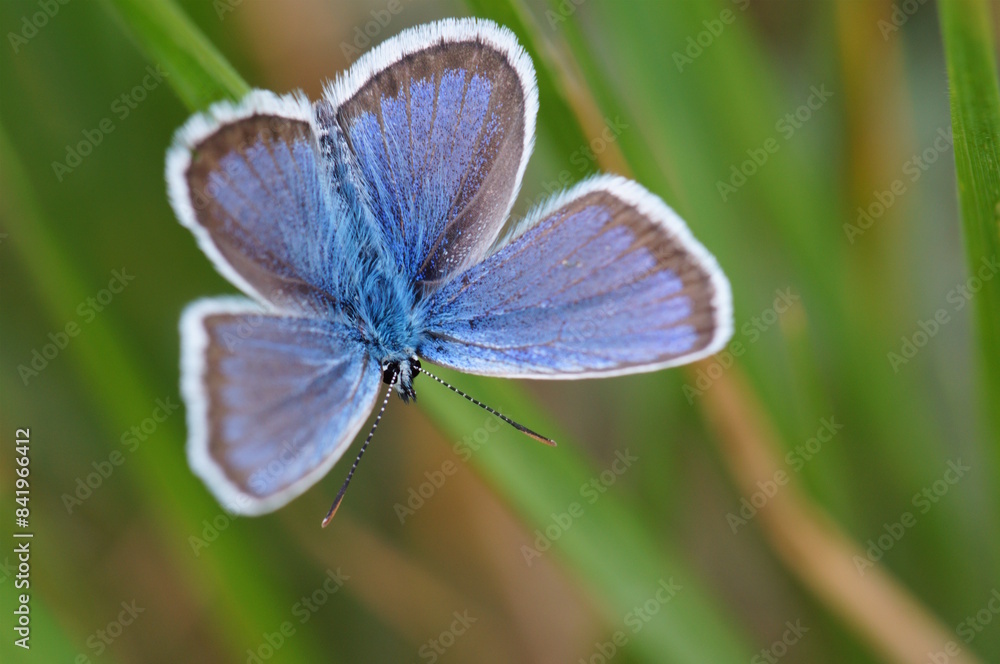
x=385, y=312
x=388, y=328
x=366, y=231
x=362, y=287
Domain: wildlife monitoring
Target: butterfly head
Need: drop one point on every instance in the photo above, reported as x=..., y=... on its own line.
x=400, y=375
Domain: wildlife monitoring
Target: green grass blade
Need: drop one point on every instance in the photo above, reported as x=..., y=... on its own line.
x=975, y=117
x=198, y=72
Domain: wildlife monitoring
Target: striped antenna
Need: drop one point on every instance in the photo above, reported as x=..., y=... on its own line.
x=371, y=434
x=520, y=427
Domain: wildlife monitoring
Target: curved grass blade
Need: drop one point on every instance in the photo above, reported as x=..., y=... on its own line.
x=975, y=117
x=199, y=73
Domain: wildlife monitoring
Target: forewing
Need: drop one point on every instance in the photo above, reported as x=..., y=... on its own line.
x=272, y=401
x=604, y=280
x=439, y=122
x=247, y=179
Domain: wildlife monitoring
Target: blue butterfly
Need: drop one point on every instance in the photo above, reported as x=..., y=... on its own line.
x=366, y=229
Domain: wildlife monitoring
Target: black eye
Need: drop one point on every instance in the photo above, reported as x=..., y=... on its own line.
x=389, y=372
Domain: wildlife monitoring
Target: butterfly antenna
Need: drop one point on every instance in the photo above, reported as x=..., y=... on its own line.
x=520, y=427
x=371, y=434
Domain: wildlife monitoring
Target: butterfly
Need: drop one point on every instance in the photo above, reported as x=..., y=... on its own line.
x=366, y=230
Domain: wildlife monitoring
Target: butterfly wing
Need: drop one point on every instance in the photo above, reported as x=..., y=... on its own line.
x=250, y=182
x=604, y=280
x=439, y=123
x=273, y=401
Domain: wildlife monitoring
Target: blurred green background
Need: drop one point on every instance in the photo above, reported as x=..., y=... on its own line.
x=825, y=490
